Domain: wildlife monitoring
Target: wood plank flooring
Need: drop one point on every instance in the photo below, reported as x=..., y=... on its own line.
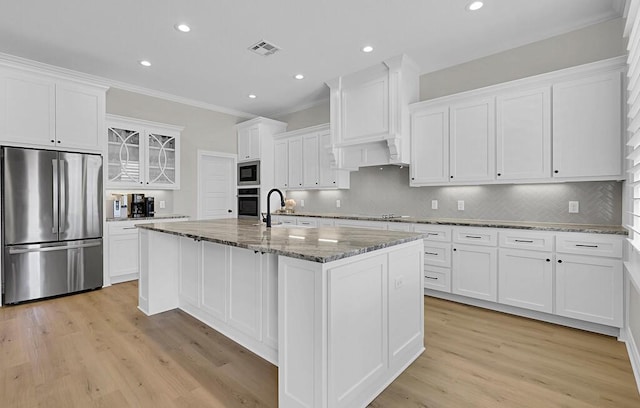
x=97, y=350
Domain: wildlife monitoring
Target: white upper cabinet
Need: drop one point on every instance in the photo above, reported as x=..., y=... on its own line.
x=559, y=126
x=430, y=146
x=303, y=160
x=281, y=164
x=295, y=162
x=587, y=120
x=142, y=154
x=249, y=143
x=370, y=113
x=523, y=135
x=42, y=111
x=472, y=140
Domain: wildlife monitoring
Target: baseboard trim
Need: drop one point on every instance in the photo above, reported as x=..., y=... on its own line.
x=634, y=354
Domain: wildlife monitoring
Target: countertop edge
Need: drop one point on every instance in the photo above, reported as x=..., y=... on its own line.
x=157, y=217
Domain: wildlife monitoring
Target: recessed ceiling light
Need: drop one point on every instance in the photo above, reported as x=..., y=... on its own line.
x=299, y=76
x=252, y=96
x=367, y=48
x=145, y=63
x=475, y=5
x=183, y=27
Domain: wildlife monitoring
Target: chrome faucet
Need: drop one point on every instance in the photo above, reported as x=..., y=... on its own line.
x=268, y=218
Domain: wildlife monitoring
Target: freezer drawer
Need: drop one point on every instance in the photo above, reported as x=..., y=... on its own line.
x=43, y=270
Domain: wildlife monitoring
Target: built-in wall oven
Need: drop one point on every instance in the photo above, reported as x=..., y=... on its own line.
x=248, y=202
x=249, y=173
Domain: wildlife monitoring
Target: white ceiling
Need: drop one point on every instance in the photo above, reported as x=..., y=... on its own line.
x=320, y=38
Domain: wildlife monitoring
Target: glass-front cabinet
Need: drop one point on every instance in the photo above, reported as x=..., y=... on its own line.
x=142, y=154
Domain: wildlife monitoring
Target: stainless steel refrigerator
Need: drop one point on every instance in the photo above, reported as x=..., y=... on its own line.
x=51, y=223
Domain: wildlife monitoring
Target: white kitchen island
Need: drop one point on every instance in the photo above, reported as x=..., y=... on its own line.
x=338, y=310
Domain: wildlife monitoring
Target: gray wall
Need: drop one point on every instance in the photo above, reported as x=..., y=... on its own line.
x=379, y=190
x=316, y=115
x=203, y=129
x=374, y=191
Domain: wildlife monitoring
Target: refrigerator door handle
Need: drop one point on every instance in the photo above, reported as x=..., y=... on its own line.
x=23, y=250
x=54, y=163
x=63, y=199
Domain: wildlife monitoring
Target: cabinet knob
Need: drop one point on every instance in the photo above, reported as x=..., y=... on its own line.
x=555, y=171
x=451, y=177
x=548, y=260
x=413, y=178
x=141, y=182
x=334, y=182
x=300, y=184
x=147, y=182
x=559, y=260
x=454, y=249
x=499, y=174
x=58, y=141
x=53, y=141
x=229, y=211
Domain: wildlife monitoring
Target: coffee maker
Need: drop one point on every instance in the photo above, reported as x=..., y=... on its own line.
x=149, y=207
x=136, y=205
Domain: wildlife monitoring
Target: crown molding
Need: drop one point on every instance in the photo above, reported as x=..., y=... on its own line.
x=301, y=108
x=13, y=61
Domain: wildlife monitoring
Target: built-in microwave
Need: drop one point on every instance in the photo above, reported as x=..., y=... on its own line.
x=248, y=202
x=249, y=173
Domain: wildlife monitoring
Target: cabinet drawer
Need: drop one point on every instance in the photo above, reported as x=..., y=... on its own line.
x=437, y=254
x=518, y=239
x=476, y=236
x=325, y=222
x=307, y=222
x=283, y=220
x=589, y=244
x=400, y=226
x=437, y=278
x=434, y=232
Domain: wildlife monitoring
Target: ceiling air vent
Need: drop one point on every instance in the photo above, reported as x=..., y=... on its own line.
x=264, y=48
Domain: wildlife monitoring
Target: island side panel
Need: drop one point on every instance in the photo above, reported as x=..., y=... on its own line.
x=159, y=263
x=336, y=345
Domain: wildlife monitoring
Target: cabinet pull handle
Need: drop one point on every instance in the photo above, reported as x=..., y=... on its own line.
x=548, y=260
x=586, y=246
x=473, y=236
x=559, y=260
x=432, y=233
x=431, y=253
x=528, y=241
x=129, y=228
x=430, y=277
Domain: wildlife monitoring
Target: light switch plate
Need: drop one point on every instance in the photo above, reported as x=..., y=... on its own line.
x=460, y=205
x=434, y=204
x=301, y=203
x=574, y=207
x=162, y=204
x=337, y=203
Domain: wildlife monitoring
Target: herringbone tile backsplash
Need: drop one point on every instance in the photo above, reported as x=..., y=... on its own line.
x=379, y=190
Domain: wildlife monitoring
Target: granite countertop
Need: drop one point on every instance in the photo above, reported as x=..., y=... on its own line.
x=529, y=225
x=322, y=245
x=156, y=217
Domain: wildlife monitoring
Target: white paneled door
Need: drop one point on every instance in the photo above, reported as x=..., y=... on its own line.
x=216, y=185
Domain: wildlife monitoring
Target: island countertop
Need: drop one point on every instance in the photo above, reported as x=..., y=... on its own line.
x=322, y=245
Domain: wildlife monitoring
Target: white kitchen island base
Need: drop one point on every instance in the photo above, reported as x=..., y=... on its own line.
x=339, y=331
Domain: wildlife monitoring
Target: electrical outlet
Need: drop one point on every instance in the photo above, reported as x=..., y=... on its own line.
x=399, y=282
x=337, y=203
x=301, y=203
x=162, y=204
x=574, y=207
x=460, y=205
x=434, y=204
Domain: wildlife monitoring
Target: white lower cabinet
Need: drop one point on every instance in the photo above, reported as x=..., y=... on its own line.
x=589, y=288
x=245, y=292
x=475, y=272
x=437, y=278
x=190, y=264
x=526, y=279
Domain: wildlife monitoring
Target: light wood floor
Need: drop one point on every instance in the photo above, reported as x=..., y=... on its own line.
x=97, y=350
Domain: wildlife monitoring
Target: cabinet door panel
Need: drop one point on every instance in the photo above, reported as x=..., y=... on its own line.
x=526, y=279
x=281, y=165
x=475, y=272
x=270, y=299
x=295, y=163
x=79, y=116
x=524, y=135
x=245, y=297
x=430, y=146
x=27, y=109
x=472, y=139
x=123, y=254
x=189, y=282
x=589, y=288
x=310, y=161
x=125, y=155
x=366, y=109
x=587, y=119
x=215, y=280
